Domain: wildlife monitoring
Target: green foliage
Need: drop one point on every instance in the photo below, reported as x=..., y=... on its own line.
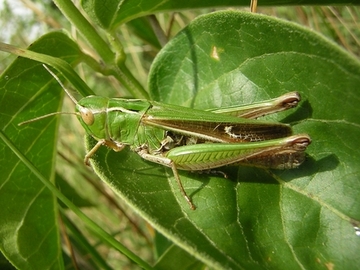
x=280, y=211
x=115, y=12
x=29, y=226
x=258, y=219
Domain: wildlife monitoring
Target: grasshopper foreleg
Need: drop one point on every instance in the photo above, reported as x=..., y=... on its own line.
x=143, y=152
x=113, y=145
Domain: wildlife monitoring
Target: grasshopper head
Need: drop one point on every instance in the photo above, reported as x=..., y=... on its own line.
x=92, y=115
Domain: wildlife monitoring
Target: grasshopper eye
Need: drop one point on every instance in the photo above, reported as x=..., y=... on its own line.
x=87, y=116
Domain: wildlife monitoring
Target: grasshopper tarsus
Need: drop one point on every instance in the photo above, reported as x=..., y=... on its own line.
x=192, y=206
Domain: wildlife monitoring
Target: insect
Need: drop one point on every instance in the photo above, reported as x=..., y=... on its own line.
x=189, y=139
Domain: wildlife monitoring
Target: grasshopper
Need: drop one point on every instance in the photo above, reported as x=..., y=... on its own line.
x=189, y=139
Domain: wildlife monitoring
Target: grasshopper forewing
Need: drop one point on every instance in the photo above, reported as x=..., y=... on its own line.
x=194, y=140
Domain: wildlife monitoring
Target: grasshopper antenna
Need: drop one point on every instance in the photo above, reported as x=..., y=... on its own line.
x=45, y=116
x=61, y=84
x=54, y=113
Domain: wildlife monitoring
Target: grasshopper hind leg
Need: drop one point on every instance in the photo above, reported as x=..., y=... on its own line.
x=143, y=152
x=177, y=177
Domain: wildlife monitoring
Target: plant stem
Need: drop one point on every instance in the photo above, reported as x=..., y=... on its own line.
x=86, y=29
x=114, y=61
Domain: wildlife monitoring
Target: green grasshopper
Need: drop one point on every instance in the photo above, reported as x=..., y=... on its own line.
x=193, y=140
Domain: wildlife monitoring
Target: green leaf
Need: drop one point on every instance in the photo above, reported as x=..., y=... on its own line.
x=142, y=28
x=110, y=13
x=28, y=225
x=177, y=256
x=298, y=219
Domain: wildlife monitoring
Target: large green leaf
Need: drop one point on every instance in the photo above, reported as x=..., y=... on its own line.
x=298, y=219
x=110, y=13
x=28, y=224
